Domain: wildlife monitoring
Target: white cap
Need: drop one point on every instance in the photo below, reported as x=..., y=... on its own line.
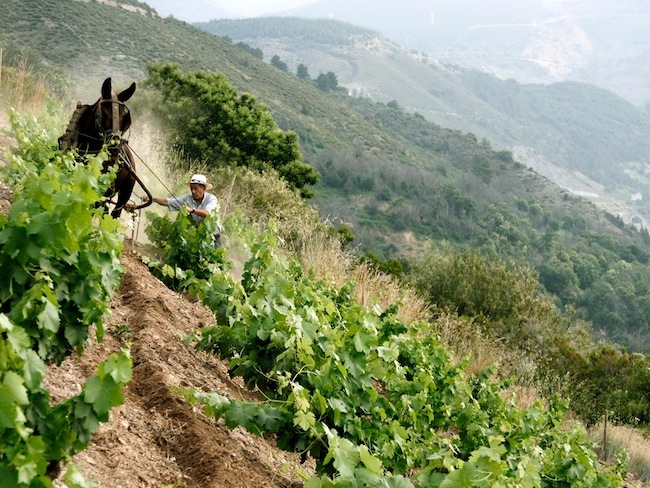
x=199, y=180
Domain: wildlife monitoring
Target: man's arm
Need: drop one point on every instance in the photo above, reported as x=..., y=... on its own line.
x=160, y=201
x=201, y=212
x=210, y=203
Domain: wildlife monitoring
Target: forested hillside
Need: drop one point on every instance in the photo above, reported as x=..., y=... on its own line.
x=594, y=135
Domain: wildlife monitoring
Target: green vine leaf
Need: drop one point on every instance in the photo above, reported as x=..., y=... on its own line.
x=304, y=420
x=102, y=394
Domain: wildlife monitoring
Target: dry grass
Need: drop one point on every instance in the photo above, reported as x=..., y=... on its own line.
x=624, y=438
x=376, y=287
x=323, y=253
x=23, y=89
x=465, y=338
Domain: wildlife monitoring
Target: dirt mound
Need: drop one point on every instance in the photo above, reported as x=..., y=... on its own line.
x=156, y=438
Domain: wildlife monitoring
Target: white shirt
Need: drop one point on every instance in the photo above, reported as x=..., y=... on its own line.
x=208, y=203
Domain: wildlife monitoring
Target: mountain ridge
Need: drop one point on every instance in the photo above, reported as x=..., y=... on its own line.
x=543, y=42
x=567, y=122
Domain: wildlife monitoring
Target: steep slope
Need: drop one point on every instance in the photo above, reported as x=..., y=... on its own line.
x=156, y=438
x=391, y=175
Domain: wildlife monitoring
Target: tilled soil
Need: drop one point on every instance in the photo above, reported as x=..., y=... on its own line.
x=156, y=438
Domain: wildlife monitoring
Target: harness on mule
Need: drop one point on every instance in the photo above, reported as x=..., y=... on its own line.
x=69, y=140
x=119, y=150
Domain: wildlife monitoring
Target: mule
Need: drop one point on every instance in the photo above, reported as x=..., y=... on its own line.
x=104, y=124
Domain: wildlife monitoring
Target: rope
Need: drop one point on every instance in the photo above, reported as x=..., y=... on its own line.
x=153, y=173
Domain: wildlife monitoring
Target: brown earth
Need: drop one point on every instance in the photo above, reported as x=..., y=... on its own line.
x=156, y=439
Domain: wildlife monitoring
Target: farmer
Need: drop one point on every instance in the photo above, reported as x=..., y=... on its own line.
x=199, y=202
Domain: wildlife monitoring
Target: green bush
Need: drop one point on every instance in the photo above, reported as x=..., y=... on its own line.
x=210, y=122
x=60, y=268
x=188, y=250
x=506, y=295
x=375, y=401
x=59, y=262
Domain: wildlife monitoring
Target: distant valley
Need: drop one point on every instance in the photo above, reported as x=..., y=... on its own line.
x=601, y=42
x=586, y=139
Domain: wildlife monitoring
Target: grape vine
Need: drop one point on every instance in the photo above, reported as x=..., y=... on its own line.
x=190, y=247
x=375, y=401
x=59, y=259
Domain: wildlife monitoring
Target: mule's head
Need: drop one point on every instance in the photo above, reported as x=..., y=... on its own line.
x=112, y=117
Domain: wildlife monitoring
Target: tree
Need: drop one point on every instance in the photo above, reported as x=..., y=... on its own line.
x=327, y=81
x=334, y=82
x=210, y=122
x=257, y=52
x=302, y=72
x=278, y=63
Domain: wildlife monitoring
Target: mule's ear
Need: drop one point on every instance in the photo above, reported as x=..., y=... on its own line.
x=106, y=89
x=126, y=94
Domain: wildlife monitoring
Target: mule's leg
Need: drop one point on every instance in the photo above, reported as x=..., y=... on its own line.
x=125, y=182
x=103, y=204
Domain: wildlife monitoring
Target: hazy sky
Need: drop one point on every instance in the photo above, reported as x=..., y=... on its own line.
x=251, y=8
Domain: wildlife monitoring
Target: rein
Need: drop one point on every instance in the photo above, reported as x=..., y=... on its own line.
x=111, y=137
